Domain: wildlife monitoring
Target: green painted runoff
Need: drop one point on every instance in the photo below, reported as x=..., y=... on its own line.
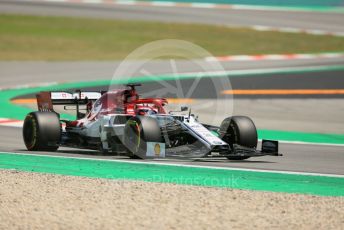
x=223, y=178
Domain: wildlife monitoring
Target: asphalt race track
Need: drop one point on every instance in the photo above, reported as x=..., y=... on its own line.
x=35, y=72
x=297, y=157
x=302, y=20
x=283, y=81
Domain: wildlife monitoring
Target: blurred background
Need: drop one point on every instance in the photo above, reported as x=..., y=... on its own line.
x=284, y=59
x=280, y=62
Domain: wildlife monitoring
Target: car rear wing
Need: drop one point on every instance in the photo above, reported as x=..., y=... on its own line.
x=46, y=100
x=65, y=98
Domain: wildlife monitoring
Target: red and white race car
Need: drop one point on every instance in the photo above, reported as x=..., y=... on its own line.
x=118, y=122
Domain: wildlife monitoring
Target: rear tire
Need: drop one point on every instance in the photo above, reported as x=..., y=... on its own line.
x=137, y=132
x=42, y=131
x=239, y=130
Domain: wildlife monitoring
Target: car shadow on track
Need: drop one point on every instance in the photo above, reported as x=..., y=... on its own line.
x=234, y=161
x=97, y=154
x=205, y=160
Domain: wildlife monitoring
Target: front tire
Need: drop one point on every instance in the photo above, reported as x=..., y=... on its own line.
x=42, y=131
x=239, y=130
x=137, y=132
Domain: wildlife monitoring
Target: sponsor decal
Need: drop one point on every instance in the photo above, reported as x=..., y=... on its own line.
x=155, y=149
x=205, y=134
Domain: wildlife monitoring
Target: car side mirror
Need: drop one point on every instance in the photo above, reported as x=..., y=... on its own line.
x=184, y=108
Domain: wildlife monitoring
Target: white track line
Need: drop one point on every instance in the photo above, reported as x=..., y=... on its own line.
x=310, y=143
x=26, y=86
x=17, y=124
x=185, y=166
x=276, y=57
x=11, y=122
x=296, y=30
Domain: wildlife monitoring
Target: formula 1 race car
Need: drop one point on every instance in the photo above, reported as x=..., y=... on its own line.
x=118, y=122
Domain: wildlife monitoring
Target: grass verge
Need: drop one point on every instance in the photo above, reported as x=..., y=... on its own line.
x=62, y=38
